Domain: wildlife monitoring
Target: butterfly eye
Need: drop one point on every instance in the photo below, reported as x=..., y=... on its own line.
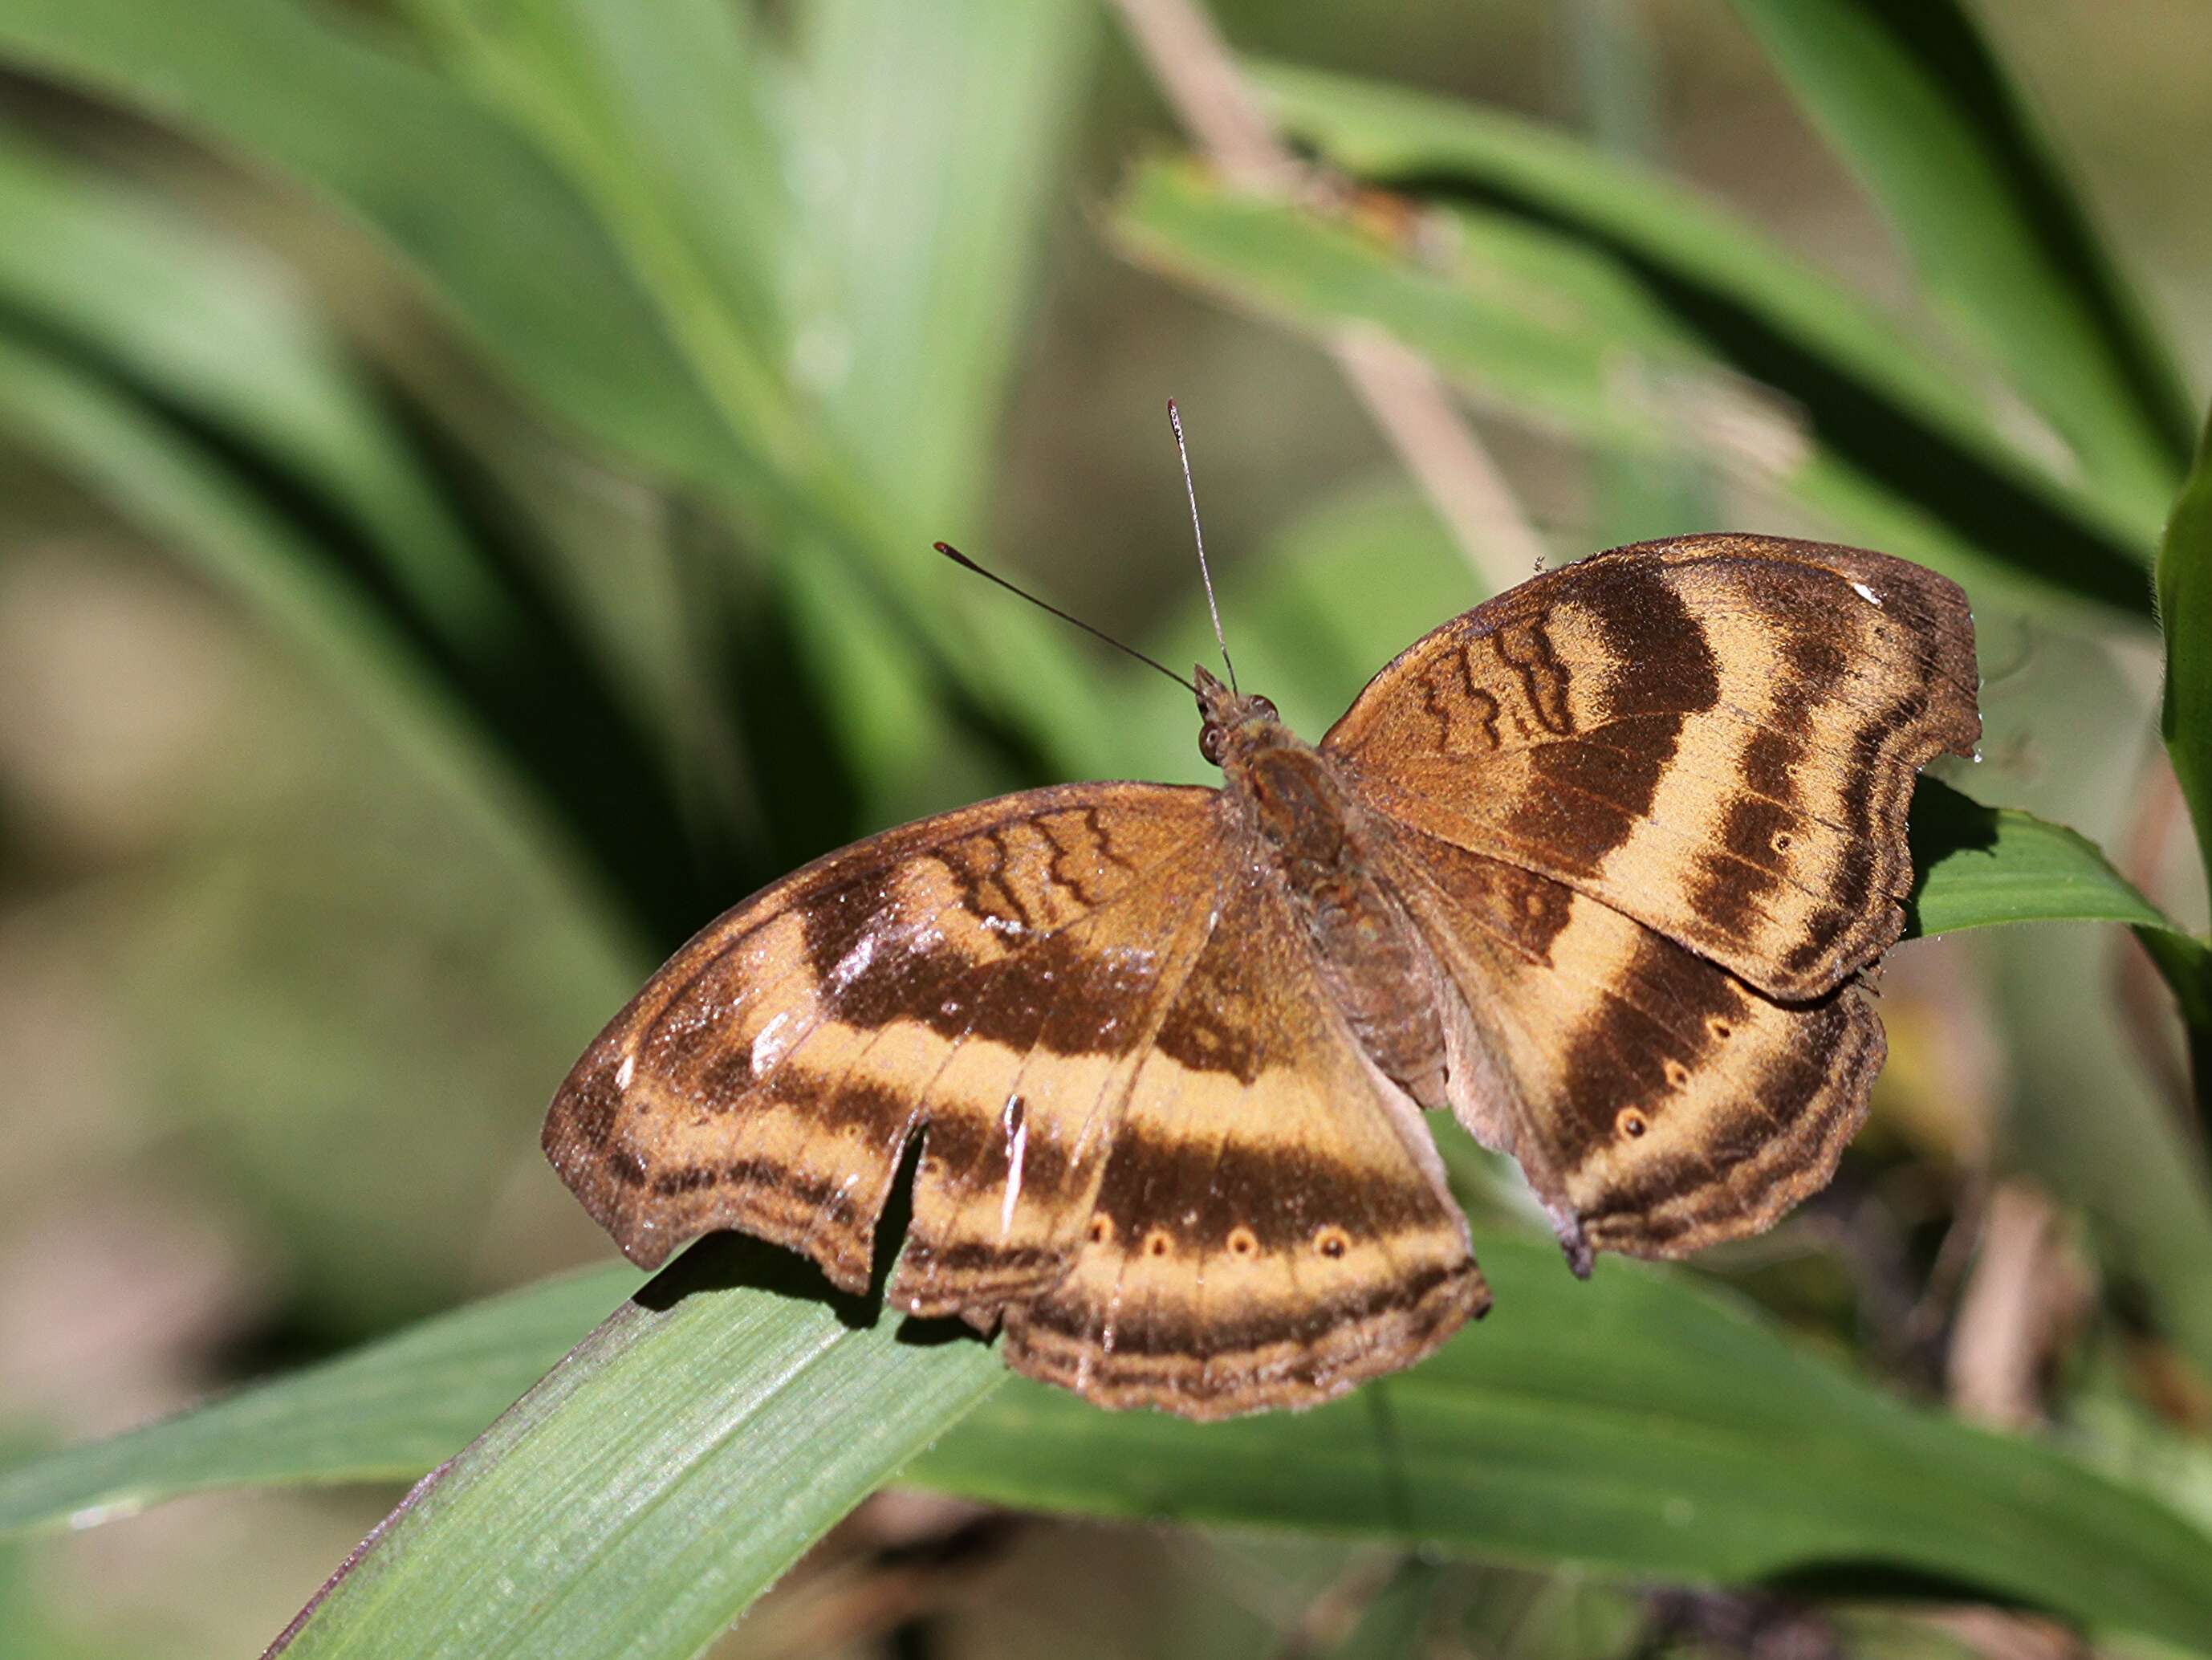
x=1209, y=743
x=1266, y=707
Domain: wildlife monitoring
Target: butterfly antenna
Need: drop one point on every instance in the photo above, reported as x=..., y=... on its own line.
x=966, y=563
x=1175, y=420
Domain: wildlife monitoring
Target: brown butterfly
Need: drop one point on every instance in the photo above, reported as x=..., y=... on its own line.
x=1600, y=867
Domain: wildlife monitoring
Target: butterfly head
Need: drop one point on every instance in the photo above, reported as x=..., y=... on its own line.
x=1234, y=720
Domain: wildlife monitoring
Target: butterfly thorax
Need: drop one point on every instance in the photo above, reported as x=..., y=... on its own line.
x=1308, y=827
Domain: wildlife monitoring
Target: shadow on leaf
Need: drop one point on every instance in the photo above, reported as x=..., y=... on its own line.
x=734, y=1261
x=1944, y=824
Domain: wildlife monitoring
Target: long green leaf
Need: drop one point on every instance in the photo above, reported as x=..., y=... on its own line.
x=819, y=351
x=520, y=259
x=1868, y=389
x=2184, y=613
x=1637, y=1424
x=923, y=222
x=1559, y=333
x=1911, y=97
x=912, y=266
x=662, y=1476
x=516, y=256
x=656, y=119
x=915, y=261
x=2184, y=609
x=231, y=342
x=386, y=1412
x=505, y=244
x=1563, y=340
x=1979, y=866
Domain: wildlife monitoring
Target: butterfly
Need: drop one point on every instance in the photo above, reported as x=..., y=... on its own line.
x=1602, y=867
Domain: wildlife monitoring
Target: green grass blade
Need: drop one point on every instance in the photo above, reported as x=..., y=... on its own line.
x=1635, y=1424
x=866, y=370
x=1535, y=325
x=552, y=280
x=2184, y=609
x=658, y=1479
x=917, y=254
x=1978, y=866
x=1554, y=331
x=1910, y=95
x=1866, y=386
x=654, y=117
x=923, y=222
x=443, y=180
x=2185, y=614
x=385, y=1413
x=231, y=343
x=499, y=698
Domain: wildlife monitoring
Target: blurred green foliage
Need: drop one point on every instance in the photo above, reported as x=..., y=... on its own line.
x=470, y=469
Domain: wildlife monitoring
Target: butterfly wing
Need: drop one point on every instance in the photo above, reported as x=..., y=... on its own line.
x=1716, y=736
x=1649, y=812
x=1273, y=1225
x=1657, y=1103
x=986, y=980
x=1149, y=1143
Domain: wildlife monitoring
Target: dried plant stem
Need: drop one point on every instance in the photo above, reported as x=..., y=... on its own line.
x=2144, y=999
x=1191, y=66
x=2022, y=1299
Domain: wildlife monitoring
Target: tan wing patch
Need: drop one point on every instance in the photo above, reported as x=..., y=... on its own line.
x=1657, y=1103
x=1273, y=1226
x=1716, y=736
x=988, y=979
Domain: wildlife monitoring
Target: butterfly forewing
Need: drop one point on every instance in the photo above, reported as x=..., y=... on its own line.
x=983, y=979
x=1717, y=736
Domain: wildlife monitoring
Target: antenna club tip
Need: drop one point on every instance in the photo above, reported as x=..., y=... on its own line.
x=954, y=554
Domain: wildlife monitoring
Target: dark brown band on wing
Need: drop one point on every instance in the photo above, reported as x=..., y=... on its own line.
x=1196, y=1192
x=1297, y=1356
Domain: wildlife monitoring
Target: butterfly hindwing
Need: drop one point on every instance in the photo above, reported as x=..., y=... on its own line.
x=1657, y=1103
x=1717, y=736
x=1273, y=1225
x=983, y=979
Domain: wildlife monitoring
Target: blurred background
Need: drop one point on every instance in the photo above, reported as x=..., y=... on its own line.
x=466, y=484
